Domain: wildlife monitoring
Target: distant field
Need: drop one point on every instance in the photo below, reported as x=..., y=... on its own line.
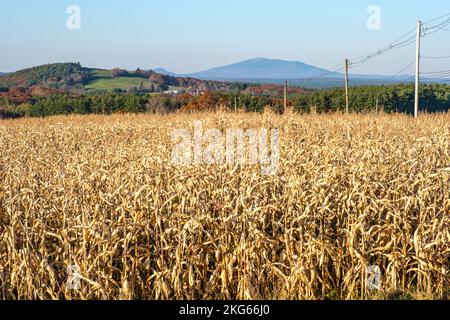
x=102, y=80
x=101, y=193
x=100, y=73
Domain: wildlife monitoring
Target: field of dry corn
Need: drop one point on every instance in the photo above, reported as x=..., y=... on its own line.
x=101, y=193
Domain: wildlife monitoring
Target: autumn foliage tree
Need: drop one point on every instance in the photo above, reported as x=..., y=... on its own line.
x=116, y=72
x=205, y=102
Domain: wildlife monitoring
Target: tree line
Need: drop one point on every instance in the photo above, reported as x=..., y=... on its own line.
x=390, y=98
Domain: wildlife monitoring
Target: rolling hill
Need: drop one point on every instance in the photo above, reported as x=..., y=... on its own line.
x=73, y=77
x=54, y=75
x=166, y=72
x=102, y=80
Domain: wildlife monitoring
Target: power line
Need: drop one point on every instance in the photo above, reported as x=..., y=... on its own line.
x=436, y=72
x=364, y=59
x=436, y=28
x=436, y=76
x=441, y=76
x=437, y=80
x=403, y=41
x=388, y=46
x=406, y=67
x=382, y=51
x=439, y=24
x=438, y=18
x=333, y=70
x=356, y=62
x=442, y=57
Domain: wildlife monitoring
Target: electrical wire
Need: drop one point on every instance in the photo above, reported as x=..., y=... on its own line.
x=406, y=67
x=443, y=57
x=356, y=62
x=404, y=41
x=437, y=28
x=333, y=70
x=436, y=72
x=438, y=18
x=364, y=59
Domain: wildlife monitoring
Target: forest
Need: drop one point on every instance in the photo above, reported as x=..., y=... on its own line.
x=390, y=98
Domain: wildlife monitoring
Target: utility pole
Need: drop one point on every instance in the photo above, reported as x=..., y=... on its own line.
x=416, y=101
x=347, y=103
x=285, y=97
x=235, y=104
x=376, y=105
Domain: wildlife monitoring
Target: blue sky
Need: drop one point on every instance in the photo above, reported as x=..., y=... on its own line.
x=193, y=35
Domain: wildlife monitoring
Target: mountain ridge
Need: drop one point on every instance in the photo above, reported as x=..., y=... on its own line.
x=262, y=68
x=258, y=68
x=267, y=70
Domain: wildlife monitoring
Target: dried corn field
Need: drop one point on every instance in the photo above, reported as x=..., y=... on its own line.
x=101, y=193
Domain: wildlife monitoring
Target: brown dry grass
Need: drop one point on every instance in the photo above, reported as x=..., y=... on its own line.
x=100, y=192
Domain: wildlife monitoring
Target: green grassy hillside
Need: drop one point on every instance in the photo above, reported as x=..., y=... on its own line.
x=72, y=76
x=101, y=80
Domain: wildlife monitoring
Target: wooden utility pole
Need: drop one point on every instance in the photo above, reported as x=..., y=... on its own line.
x=416, y=100
x=235, y=104
x=347, y=102
x=376, y=105
x=285, y=97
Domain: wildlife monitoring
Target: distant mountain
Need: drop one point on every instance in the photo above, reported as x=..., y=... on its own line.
x=3, y=74
x=274, y=71
x=262, y=68
x=165, y=72
x=258, y=68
